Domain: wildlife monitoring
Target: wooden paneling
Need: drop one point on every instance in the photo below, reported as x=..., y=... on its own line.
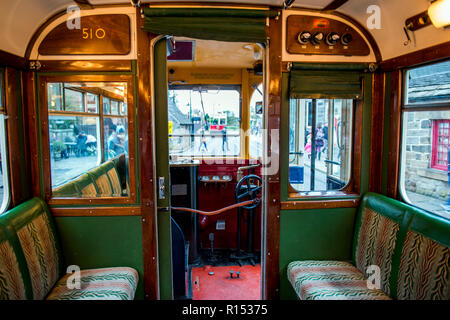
x=95, y=211
x=17, y=151
x=434, y=53
x=85, y=65
x=376, y=145
x=271, y=276
x=394, y=134
x=12, y=60
x=144, y=110
x=98, y=35
x=319, y=204
x=32, y=134
x=297, y=24
x=335, y=4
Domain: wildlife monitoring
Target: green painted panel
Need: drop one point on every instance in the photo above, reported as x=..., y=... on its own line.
x=162, y=170
x=314, y=235
x=97, y=242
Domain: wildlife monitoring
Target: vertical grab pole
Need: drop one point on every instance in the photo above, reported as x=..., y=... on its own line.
x=313, y=144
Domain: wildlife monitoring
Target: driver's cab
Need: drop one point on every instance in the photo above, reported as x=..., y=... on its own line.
x=215, y=118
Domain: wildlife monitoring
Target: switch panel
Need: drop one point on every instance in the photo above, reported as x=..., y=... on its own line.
x=323, y=36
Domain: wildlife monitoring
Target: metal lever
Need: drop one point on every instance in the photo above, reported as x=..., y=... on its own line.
x=162, y=188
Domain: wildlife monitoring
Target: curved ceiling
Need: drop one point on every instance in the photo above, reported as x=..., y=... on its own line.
x=19, y=20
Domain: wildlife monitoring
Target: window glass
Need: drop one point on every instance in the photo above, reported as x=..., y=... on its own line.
x=114, y=107
x=76, y=146
x=320, y=145
x=425, y=175
x=92, y=103
x=54, y=96
x=116, y=136
x=256, y=122
x=73, y=100
x=204, y=121
x=106, y=105
x=72, y=138
x=428, y=84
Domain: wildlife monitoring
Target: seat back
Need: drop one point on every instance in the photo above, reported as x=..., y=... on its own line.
x=377, y=226
x=409, y=245
x=424, y=272
x=31, y=235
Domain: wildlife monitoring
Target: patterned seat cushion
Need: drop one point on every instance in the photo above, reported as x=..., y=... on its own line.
x=12, y=285
x=376, y=241
x=424, y=272
x=330, y=280
x=99, y=284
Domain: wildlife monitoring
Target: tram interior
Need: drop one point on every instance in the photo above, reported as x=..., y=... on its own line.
x=225, y=150
x=215, y=106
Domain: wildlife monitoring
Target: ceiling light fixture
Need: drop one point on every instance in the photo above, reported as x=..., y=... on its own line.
x=439, y=13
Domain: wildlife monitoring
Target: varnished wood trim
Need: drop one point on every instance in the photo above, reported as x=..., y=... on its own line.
x=319, y=204
x=12, y=60
x=85, y=65
x=434, y=53
x=335, y=4
x=13, y=88
x=394, y=134
x=132, y=198
x=271, y=277
x=32, y=134
x=95, y=211
x=145, y=111
x=376, y=145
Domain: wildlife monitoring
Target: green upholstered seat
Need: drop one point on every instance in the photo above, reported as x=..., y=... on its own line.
x=67, y=190
x=31, y=261
x=13, y=271
x=330, y=280
x=424, y=271
x=86, y=186
x=409, y=245
x=99, y=284
x=30, y=225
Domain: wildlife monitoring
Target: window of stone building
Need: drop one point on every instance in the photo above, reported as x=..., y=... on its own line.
x=424, y=174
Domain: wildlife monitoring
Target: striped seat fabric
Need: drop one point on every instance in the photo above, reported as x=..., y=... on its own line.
x=330, y=280
x=98, y=284
x=424, y=272
x=12, y=285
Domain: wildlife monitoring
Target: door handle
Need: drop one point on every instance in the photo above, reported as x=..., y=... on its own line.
x=162, y=188
x=163, y=209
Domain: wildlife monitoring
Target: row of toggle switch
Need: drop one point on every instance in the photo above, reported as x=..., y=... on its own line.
x=331, y=39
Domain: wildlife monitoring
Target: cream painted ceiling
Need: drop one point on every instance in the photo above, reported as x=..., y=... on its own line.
x=19, y=19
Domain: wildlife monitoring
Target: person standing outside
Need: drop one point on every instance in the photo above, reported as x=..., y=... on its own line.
x=224, y=139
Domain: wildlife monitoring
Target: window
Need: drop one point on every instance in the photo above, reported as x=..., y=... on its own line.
x=77, y=126
x=320, y=140
x=439, y=151
x=204, y=121
x=256, y=122
x=424, y=174
x=4, y=176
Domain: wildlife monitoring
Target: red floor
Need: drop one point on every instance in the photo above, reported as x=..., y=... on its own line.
x=220, y=287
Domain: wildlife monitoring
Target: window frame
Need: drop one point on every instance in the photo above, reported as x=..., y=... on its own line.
x=45, y=143
x=435, y=145
x=416, y=107
x=352, y=188
x=238, y=88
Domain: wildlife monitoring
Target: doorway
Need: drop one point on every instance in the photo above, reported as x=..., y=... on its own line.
x=209, y=99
